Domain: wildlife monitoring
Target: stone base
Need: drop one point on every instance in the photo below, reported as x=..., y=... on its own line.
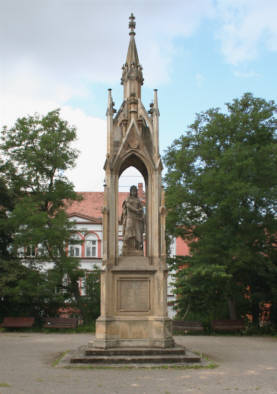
x=132, y=343
x=142, y=356
x=133, y=332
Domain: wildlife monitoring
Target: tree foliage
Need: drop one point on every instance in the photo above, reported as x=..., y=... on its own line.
x=90, y=302
x=221, y=195
x=36, y=152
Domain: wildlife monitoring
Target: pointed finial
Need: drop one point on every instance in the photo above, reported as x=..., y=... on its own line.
x=155, y=108
x=132, y=25
x=110, y=110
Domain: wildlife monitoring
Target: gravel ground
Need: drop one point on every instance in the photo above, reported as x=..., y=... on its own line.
x=245, y=365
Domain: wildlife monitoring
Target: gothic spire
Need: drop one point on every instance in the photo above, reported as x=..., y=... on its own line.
x=132, y=77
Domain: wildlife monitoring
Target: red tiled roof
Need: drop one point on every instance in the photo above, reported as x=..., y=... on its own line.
x=182, y=247
x=92, y=204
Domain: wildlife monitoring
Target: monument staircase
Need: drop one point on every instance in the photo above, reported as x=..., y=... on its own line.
x=132, y=356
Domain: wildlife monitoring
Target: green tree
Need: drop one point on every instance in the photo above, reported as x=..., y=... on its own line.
x=90, y=303
x=36, y=153
x=6, y=205
x=221, y=195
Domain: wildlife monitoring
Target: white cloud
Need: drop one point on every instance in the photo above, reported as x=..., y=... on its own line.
x=88, y=39
x=52, y=50
x=29, y=90
x=246, y=27
x=88, y=175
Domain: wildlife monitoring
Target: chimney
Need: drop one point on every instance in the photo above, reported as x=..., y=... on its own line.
x=140, y=191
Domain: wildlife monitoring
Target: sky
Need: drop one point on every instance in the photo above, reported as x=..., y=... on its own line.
x=67, y=53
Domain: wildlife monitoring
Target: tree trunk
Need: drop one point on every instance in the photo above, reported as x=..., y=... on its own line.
x=255, y=313
x=232, y=309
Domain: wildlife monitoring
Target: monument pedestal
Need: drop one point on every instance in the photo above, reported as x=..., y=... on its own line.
x=136, y=312
x=136, y=332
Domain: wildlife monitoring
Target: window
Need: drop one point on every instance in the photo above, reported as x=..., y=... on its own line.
x=75, y=249
x=56, y=252
x=82, y=286
x=42, y=250
x=91, y=246
x=31, y=251
x=20, y=252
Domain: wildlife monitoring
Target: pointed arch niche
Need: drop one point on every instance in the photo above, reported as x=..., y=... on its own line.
x=133, y=171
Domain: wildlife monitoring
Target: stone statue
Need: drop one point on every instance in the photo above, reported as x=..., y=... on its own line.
x=132, y=220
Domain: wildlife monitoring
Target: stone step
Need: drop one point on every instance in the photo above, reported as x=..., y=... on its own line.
x=136, y=359
x=135, y=351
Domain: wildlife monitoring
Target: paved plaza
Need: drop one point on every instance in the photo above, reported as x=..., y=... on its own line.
x=245, y=365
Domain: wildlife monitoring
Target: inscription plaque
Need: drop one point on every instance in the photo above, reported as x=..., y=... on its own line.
x=133, y=295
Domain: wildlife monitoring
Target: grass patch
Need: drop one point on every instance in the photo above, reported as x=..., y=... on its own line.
x=2, y=384
x=210, y=365
x=58, y=359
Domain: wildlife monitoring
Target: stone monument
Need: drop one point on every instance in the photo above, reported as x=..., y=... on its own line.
x=133, y=284
x=134, y=327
